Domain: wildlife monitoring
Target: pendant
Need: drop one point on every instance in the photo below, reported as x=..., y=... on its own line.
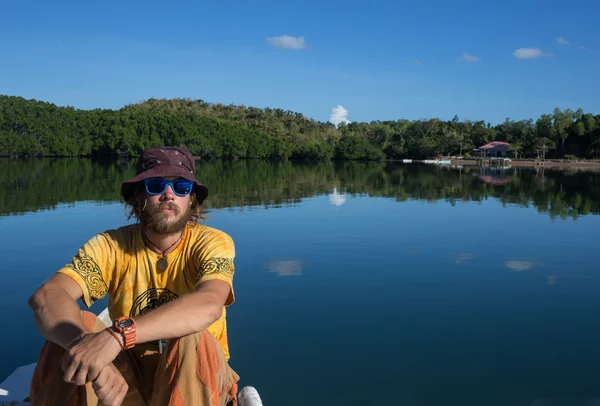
x=162, y=264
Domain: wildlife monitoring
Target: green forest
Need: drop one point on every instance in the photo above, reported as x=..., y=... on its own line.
x=209, y=131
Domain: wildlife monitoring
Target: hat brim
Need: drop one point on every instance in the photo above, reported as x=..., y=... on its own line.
x=200, y=190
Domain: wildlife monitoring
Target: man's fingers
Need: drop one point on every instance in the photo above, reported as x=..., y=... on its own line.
x=110, y=386
x=121, y=393
x=65, y=362
x=101, y=379
x=102, y=394
x=93, y=374
x=116, y=394
x=70, y=372
x=113, y=393
x=80, y=377
x=110, y=397
x=103, y=384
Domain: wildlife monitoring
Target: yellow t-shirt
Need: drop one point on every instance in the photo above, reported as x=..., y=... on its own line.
x=115, y=262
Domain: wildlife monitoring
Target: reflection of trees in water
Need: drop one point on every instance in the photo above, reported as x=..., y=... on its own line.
x=41, y=184
x=38, y=184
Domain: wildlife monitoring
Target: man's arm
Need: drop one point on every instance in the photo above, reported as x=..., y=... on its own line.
x=186, y=315
x=58, y=318
x=94, y=352
x=56, y=312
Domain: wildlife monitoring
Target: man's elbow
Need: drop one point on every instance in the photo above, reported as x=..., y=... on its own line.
x=212, y=312
x=37, y=299
x=216, y=311
x=42, y=297
x=209, y=314
x=57, y=289
x=45, y=295
x=212, y=296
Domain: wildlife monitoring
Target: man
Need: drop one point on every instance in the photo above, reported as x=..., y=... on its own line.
x=168, y=279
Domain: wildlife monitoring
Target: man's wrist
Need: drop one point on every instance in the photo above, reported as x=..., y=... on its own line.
x=118, y=337
x=126, y=328
x=75, y=341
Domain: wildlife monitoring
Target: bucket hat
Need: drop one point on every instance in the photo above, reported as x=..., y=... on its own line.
x=164, y=162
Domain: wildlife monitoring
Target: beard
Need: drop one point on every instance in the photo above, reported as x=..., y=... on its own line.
x=157, y=222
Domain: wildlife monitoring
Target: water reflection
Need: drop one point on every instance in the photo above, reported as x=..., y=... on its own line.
x=464, y=257
x=285, y=268
x=42, y=184
x=519, y=266
x=496, y=179
x=337, y=199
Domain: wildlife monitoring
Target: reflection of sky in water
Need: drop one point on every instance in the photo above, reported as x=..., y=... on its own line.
x=464, y=257
x=336, y=198
x=285, y=268
x=518, y=266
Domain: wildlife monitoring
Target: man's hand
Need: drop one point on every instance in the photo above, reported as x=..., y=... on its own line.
x=110, y=386
x=88, y=356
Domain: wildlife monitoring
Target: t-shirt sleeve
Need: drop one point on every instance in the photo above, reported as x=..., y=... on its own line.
x=92, y=268
x=215, y=261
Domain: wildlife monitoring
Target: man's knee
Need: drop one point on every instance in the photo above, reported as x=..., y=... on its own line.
x=202, y=346
x=190, y=342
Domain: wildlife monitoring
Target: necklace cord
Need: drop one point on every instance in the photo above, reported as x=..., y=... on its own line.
x=162, y=253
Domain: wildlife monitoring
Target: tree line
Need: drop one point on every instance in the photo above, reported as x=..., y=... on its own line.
x=36, y=184
x=209, y=131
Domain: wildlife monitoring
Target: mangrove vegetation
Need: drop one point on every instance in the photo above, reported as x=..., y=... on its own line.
x=209, y=131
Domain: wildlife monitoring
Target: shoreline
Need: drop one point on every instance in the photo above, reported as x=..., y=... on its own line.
x=521, y=163
x=532, y=163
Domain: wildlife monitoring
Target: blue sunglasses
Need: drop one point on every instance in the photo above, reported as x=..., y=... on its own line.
x=157, y=186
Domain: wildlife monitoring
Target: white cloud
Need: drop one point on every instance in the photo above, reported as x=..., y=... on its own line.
x=562, y=40
x=530, y=53
x=287, y=42
x=418, y=62
x=338, y=115
x=469, y=58
x=285, y=268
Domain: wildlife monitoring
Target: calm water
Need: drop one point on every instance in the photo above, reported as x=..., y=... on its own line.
x=357, y=284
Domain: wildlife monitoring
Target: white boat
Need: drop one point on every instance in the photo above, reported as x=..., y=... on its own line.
x=15, y=388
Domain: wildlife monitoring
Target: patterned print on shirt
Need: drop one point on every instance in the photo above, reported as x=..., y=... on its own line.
x=150, y=300
x=219, y=266
x=90, y=272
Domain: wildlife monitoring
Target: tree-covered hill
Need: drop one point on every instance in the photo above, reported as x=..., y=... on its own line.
x=36, y=128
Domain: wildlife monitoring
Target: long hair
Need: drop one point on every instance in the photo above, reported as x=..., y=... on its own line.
x=137, y=203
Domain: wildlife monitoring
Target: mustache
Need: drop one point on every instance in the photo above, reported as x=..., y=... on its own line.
x=166, y=205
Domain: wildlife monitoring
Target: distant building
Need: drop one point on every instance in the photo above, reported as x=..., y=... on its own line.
x=495, y=149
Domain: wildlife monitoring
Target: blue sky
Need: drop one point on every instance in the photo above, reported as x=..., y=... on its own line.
x=380, y=60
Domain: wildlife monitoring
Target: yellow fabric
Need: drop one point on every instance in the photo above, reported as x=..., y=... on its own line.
x=115, y=262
